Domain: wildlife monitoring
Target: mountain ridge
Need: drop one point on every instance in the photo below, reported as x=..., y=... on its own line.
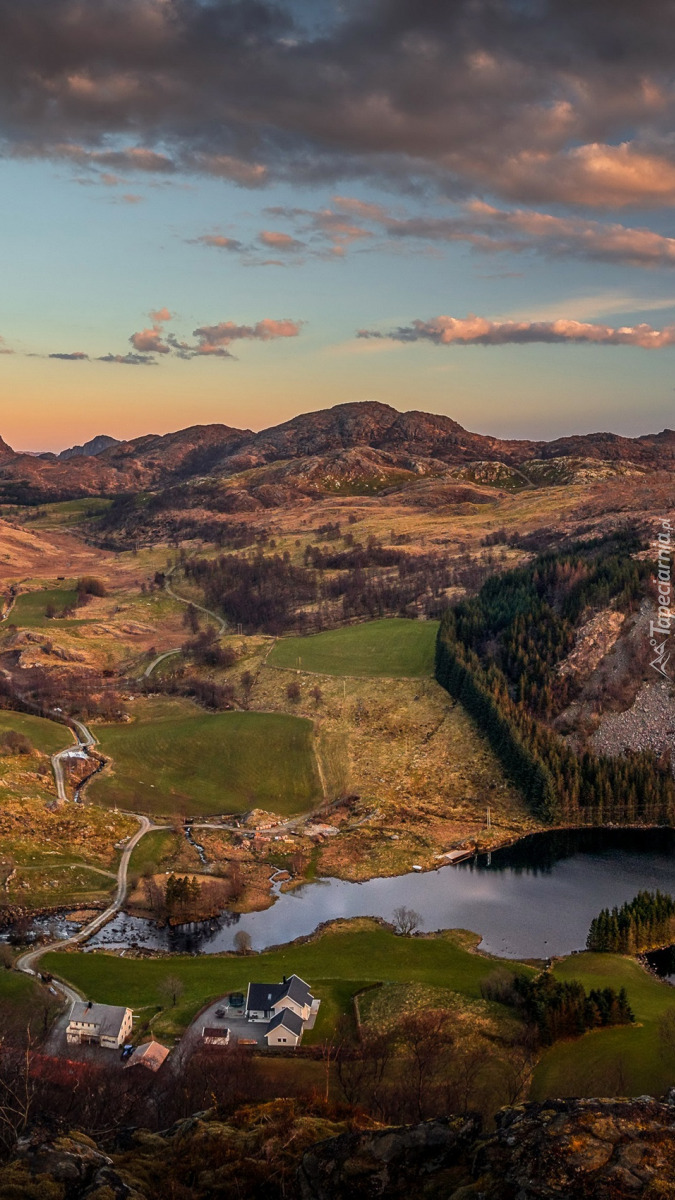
x=408, y=440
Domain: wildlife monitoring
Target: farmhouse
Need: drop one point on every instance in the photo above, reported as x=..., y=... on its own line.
x=107, y=1025
x=287, y=1007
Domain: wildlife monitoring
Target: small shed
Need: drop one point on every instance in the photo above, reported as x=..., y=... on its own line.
x=214, y=1036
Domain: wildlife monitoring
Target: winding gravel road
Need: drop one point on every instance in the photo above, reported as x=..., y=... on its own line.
x=222, y=627
x=28, y=961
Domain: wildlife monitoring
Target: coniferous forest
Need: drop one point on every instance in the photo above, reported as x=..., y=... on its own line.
x=640, y=924
x=498, y=653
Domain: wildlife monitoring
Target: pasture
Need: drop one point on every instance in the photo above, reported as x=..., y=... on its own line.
x=177, y=759
x=391, y=648
x=626, y=1060
x=46, y=736
x=337, y=963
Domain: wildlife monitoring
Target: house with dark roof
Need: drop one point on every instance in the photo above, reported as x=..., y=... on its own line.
x=286, y=1007
x=285, y=1029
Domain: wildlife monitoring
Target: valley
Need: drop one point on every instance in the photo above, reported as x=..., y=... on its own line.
x=264, y=640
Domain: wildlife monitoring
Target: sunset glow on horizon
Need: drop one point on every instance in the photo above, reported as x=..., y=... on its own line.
x=225, y=212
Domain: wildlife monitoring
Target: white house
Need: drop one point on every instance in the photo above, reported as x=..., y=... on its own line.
x=285, y=1029
x=285, y=1007
x=265, y=1000
x=107, y=1025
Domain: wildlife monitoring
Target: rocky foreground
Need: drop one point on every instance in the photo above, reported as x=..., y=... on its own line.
x=605, y=1149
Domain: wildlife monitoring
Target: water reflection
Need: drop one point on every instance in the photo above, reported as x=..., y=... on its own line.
x=533, y=900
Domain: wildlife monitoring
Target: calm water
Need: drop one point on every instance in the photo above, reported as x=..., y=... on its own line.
x=531, y=900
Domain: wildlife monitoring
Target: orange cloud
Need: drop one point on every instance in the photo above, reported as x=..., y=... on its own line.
x=480, y=331
x=279, y=241
x=596, y=175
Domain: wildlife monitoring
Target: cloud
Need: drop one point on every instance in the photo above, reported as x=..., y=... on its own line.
x=280, y=241
x=4, y=349
x=210, y=340
x=150, y=341
x=214, y=339
x=218, y=241
x=75, y=356
x=128, y=360
x=595, y=175
x=479, y=331
x=485, y=229
x=538, y=101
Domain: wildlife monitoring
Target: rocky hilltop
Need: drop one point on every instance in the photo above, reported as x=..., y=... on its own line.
x=559, y=1150
x=367, y=441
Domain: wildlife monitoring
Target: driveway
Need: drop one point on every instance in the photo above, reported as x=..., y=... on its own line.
x=234, y=1020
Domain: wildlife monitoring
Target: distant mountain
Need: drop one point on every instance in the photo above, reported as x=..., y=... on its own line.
x=355, y=443
x=94, y=446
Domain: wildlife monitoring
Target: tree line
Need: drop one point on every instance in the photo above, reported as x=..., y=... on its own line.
x=640, y=924
x=497, y=654
x=554, y=1009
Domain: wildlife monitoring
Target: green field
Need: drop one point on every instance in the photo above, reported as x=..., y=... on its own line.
x=153, y=851
x=392, y=648
x=22, y=1000
x=29, y=609
x=627, y=1060
x=65, y=512
x=47, y=736
x=179, y=759
x=339, y=963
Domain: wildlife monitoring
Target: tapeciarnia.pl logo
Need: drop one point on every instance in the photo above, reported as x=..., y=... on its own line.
x=659, y=630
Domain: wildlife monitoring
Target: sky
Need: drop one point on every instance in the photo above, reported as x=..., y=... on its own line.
x=223, y=211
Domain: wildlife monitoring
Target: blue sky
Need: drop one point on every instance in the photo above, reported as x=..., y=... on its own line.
x=268, y=238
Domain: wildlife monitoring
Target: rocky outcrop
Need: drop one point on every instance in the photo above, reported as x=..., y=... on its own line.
x=386, y=1162
x=65, y=1168
x=556, y=1150
x=585, y=1149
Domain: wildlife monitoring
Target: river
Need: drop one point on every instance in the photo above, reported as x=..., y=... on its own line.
x=531, y=900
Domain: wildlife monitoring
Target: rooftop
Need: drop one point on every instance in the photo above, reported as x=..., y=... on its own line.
x=150, y=1054
x=107, y=1018
x=286, y=1019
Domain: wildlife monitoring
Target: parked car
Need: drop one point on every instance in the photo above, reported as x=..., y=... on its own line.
x=237, y=999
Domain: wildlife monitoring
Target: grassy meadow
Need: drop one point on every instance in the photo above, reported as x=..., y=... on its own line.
x=176, y=758
x=338, y=963
x=395, y=647
x=29, y=609
x=46, y=736
x=626, y=1060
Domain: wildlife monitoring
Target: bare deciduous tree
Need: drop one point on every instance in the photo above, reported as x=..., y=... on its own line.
x=171, y=988
x=242, y=942
x=406, y=920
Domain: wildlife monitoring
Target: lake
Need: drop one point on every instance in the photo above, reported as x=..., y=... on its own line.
x=534, y=899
